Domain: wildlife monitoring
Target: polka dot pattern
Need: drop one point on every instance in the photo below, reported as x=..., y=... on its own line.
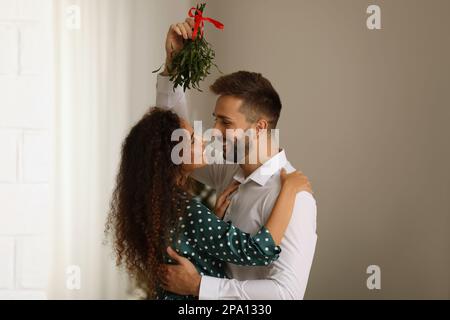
x=208, y=242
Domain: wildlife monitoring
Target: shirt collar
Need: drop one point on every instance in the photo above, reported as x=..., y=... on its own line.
x=265, y=172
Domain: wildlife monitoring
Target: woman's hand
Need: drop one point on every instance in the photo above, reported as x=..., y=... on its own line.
x=296, y=181
x=224, y=200
x=178, y=32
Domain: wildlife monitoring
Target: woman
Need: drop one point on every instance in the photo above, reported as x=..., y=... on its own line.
x=152, y=209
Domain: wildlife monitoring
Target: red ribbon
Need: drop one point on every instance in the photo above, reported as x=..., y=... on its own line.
x=200, y=22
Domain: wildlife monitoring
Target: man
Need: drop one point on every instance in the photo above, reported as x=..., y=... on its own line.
x=245, y=101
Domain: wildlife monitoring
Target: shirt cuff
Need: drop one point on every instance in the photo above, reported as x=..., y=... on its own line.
x=209, y=288
x=164, y=85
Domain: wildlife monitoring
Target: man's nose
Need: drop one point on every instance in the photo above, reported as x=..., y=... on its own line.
x=220, y=127
x=217, y=126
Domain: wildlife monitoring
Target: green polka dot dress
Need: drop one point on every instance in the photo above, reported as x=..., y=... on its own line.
x=209, y=242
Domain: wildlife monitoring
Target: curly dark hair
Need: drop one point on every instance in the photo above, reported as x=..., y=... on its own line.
x=147, y=201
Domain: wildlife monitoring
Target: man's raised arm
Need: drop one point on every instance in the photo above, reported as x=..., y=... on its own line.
x=166, y=96
x=175, y=100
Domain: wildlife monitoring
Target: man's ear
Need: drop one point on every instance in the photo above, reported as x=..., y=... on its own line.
x=262, y=124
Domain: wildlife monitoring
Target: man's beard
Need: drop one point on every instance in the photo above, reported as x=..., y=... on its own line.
x=231, y=155
x=234, y=155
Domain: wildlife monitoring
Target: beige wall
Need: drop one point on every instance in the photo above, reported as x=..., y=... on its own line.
x=150, y=22
x=366, y=117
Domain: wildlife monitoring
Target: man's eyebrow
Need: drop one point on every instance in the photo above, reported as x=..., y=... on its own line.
x=222, y=117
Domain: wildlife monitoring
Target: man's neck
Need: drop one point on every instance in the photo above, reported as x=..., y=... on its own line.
x=248, y=169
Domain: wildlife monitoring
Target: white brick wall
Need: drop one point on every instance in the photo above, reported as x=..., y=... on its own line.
x=7, y=265
x=25, y=117
x=9, y=36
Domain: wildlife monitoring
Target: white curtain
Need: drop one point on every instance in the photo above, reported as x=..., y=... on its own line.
x=92, y=117
x=103, y=84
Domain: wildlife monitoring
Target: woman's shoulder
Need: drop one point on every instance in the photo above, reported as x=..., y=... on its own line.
x=195, y=205
x=198, y=214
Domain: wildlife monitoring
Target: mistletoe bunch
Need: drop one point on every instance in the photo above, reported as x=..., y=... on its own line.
x=193, y=63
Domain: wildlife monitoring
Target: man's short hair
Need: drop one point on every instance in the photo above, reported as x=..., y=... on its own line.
x=258, y=95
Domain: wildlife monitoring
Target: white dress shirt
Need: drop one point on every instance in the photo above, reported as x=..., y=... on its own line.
x=250, y=208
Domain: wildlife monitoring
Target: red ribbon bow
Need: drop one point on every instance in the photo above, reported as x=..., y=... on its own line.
x=200, y=22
